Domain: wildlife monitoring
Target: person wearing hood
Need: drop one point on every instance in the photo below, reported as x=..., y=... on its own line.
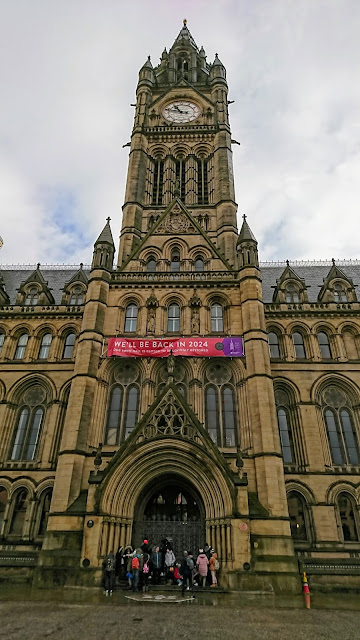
x=214, y=565
x=109, y=573
x=202, y=563
x=169, y=564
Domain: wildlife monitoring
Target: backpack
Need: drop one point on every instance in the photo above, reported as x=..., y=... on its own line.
x=190, y=563
x=110, y=564
x=146, y=568
x=135, y=563
x=217, y=566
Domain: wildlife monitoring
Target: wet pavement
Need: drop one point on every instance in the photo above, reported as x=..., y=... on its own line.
x=75, y=613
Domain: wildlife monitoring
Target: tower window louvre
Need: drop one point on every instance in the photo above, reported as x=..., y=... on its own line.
x=203, y=189
x=157, y=194
x=180, y=177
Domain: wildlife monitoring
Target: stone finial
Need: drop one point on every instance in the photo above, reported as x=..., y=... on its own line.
x=333, y=261
x=287, y=263
x=185, y=22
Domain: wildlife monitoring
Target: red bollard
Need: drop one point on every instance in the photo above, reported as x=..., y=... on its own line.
x=306, y=591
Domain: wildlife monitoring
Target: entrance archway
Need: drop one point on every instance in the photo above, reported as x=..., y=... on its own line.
x=170, y=509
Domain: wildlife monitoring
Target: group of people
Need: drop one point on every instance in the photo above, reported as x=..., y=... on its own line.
x=160, y=564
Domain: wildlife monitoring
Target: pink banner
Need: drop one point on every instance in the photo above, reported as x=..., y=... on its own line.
x=161, y=347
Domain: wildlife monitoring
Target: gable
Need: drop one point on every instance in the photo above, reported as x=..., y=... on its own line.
x=176, y=221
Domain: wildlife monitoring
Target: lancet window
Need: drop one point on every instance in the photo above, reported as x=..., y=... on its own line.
x=339, y=420
x=131, y=315
x=220, y=406
x=298, y=516
x=347, y=517
x=123, y=406
x=28, y=424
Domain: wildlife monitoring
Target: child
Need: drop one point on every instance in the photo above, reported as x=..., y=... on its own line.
x=177, y=576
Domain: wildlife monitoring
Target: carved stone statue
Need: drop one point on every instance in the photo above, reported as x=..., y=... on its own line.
x=195, y=321
x=151, y=320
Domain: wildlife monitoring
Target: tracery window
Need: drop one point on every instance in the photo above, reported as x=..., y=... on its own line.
x=21, y=346
x=274, y=345
x=324, y=344
x=28, y=425
x=347, y=518
x=297, y=514
x=77, y=296
x=123, y=407
x=19, y=513
x=32, y=296
x=340, y=294
x=220, y=406
x=299, y=346
x=45, y=346
x=340, y=427
x=350, y=344
x=291, y=294
x=173, y=324
x=131, y=314
x=69, y=346
x=217, y=318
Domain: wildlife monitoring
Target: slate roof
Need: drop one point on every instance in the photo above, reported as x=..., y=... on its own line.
x=313, y=275
x=56, y=279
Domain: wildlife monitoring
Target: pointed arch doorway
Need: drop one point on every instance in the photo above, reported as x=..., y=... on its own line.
x=170, y=509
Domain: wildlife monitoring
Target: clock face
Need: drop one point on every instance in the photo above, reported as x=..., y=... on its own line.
x=181, y=111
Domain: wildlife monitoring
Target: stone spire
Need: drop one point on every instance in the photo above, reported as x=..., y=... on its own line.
x=247, y=247
x=104, y=249
x=185, y=37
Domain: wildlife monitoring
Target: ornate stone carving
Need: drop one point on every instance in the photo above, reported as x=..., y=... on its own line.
x=169, y=419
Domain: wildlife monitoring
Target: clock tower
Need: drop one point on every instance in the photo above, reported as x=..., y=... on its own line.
x=181, y=145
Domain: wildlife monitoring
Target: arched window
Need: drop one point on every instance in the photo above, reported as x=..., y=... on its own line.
x=131, y=314
x=122, y=416
x=291, y=294
x=285, y=435
x=19, y=514
x=297, y=511
x=324, y=345
x=299, y=346
x=69, y=346
x=217, y=318
x=131, y=409
x=2, y=340
x=347, y=518
x=27, y=433
x=113, y=421
x=173, y=318
x=45, y=346
x=3, y=502
x=340, y=427
x=340, y=294
x=199, y=264
x=212, y=415
x=220, y=405
x=21, y=346
x=228, y=414
x=32, y=296
x=151, y=265
x=274, y=345
x=76, y=296
x=175, y=260
x=45, y=509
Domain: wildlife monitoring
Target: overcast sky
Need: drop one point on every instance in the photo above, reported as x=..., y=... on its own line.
x=68, y=73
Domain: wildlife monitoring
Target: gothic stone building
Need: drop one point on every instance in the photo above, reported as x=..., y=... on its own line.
x=257, y=455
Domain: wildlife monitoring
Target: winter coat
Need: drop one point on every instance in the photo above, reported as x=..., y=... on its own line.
x=202, y=562
x=184, y=569
x=157, y=559
x=169, y=558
